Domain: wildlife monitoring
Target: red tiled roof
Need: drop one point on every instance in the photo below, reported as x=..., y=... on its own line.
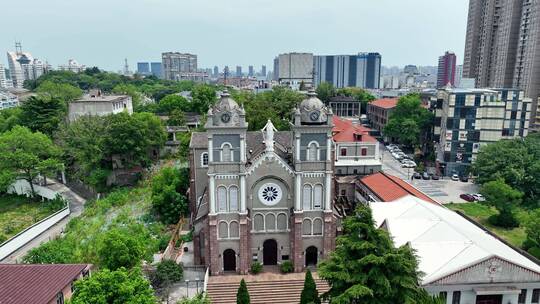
x=36, y=284
x=344, y=131
x=385, y=103
x=390, y=188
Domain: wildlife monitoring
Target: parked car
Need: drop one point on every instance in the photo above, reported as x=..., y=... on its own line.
x=455, y=177
x=467, y=197
x=425, y=176
x=408, y=165
x=435, y=177
x=464, y=178
x=417, y=175
x=479, y=197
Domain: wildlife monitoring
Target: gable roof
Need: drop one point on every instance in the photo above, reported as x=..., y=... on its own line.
x=444, y=241
x=385, y=103
x=24, y=283
x=344, y=131
x=388, y=187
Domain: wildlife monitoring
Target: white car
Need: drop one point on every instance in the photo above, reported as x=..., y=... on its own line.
x=408, y=165
x=455, y=177
x=479, y=197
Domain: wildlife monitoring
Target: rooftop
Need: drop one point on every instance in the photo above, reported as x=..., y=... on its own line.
x=28, y=283
x=345, y=131
x=101, y=98
x=445, y=242
x=385, y=103
x=389, y=188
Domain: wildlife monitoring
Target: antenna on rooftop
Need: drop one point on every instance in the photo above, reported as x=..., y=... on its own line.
x=126, y=67
x=18, y=47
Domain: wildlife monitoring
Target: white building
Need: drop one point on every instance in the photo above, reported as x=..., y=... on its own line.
x=4, y=82
x=8, y=100
x=459, y=259
x=72, y=66
x=23, y=66
x=294, y=68
x=95, y=104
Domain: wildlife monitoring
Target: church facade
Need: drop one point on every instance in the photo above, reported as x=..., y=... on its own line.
x=262, y=196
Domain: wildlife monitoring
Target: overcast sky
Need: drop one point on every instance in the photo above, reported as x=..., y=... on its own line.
x=232, y=32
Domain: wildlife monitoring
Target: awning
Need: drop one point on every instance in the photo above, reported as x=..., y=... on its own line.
x=496, y=290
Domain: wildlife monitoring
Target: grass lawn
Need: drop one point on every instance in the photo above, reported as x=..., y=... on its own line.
x=481, y=213
x=19, y=212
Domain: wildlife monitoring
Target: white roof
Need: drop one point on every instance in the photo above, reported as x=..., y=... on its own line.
x=445, y=242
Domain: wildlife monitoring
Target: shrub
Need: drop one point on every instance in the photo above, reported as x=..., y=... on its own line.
x=55, y=204
x=200, y=298
x=309, y=295
x=242, y=296
x=534, y=251
x=505, y=219
x=256, y=267
x=120, y=248
x=167, y=272
x=286, y=267
x=163, y=241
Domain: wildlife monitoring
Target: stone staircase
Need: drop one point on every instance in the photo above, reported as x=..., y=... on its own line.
x=284, y=291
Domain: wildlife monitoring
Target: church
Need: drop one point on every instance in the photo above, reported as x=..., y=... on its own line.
x=262, y=196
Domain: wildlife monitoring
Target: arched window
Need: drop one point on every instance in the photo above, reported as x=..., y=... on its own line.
x=223, y=230
x=233, y=198
x=306, y=227
x=306, y=200
x=282, y=222
x=234, y=230
x=270, y=222
x=317, y=196
x=313, y=151
x=226, y=152
x=204, y=159
x=222, y=198
x=258, y=222
x=317, y=226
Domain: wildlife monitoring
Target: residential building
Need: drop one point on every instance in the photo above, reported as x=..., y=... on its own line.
x=23, y=66
x=501, y=45
x=446, y=73
x=378, y=112
x=251, y=71
x=4, y=81
x=263, y=70
x=345, y=106
x=295, y=68
x=143, y=68
x=262, y=196
x=156, y=69
x=97, y=104
x=216, y=71
x=275, y=74
x=8, y=100
x=383, y=187
x=238, y=71
x=362, y=70
x=457, y=258
x=466, y=119
x=178, y=66
x=39, y=283
x=72, y=66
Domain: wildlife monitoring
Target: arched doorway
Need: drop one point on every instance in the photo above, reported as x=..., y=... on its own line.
x=311, y=256
x=270, y=252
x=229, y=260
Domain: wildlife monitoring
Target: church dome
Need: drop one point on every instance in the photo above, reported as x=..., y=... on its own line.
x=312, y=109
x=225, y=103
x=226, y=112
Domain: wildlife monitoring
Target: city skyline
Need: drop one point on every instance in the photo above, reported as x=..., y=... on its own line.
x=154, y=26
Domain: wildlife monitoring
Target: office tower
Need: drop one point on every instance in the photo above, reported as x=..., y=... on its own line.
x=295, y=68
x=143, y=68
x=446, y=72
x=238, y=71
x=216, y=71
x=275, y=75
x=362, y=70
x=501, y=45
x=155, y=68
x=251, y=72
x=263, y=71
x=177, y=66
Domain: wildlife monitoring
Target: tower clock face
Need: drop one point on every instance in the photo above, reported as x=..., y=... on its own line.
x=314, y=116
x=225, y=117
x=270, y=194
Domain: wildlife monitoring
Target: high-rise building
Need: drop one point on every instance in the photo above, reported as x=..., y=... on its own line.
x=446, y=72
x=3, y=77
x=501, y=45
x=410, y=69
x=251, y=71
x=295, y=68
x=275, y=74
x=72, y=66
x=238, y=71
x=263, y=71
x=362, y=70
x=155, y=68
x=177, y=66
x=216, y=71
x=23, y=66
x=143, y=68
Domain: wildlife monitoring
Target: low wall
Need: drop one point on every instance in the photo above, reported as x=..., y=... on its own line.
x=22, y=187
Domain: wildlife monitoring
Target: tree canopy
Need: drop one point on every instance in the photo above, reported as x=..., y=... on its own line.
x=325, y=91
x=42, y=114
x=409, y=121
x=119, y=249
x=168, y=199
x=505, y=199
x=367, y=268
x=61, y=91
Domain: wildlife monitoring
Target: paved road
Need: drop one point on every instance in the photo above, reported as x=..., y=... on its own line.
x=444, y=190
x=76, y=204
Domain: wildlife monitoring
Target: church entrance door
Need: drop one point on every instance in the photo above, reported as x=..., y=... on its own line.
x=270, y=252
x=489, y=299
x=229, y=260
x=311, y=256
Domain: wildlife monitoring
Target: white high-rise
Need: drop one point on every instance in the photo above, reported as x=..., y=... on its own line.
x=4, y=82
x=22, y=66
x=72, y=66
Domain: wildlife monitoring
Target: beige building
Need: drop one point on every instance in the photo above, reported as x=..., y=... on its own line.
x=294, y=68
x=96, y=104
x=179, y=66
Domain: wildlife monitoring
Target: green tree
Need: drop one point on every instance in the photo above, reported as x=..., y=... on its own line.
x=168, y=200
x=409, y=122
x=504, y=198
x=9, y=118
x=153, y=129
x=173, y=102
x=203, y=97
x=367, y=268
x=532, y=228
x=176, y=118
x=361, y=95
x=309, y=295
x=42, y=114
x=114, y=287
x=242, y=296
x=200, y=298
x=120, y=249
x=24, y=154
x=325, y=91
x=61, y=91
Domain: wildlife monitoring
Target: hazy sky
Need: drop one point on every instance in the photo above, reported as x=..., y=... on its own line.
x=232, y=32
